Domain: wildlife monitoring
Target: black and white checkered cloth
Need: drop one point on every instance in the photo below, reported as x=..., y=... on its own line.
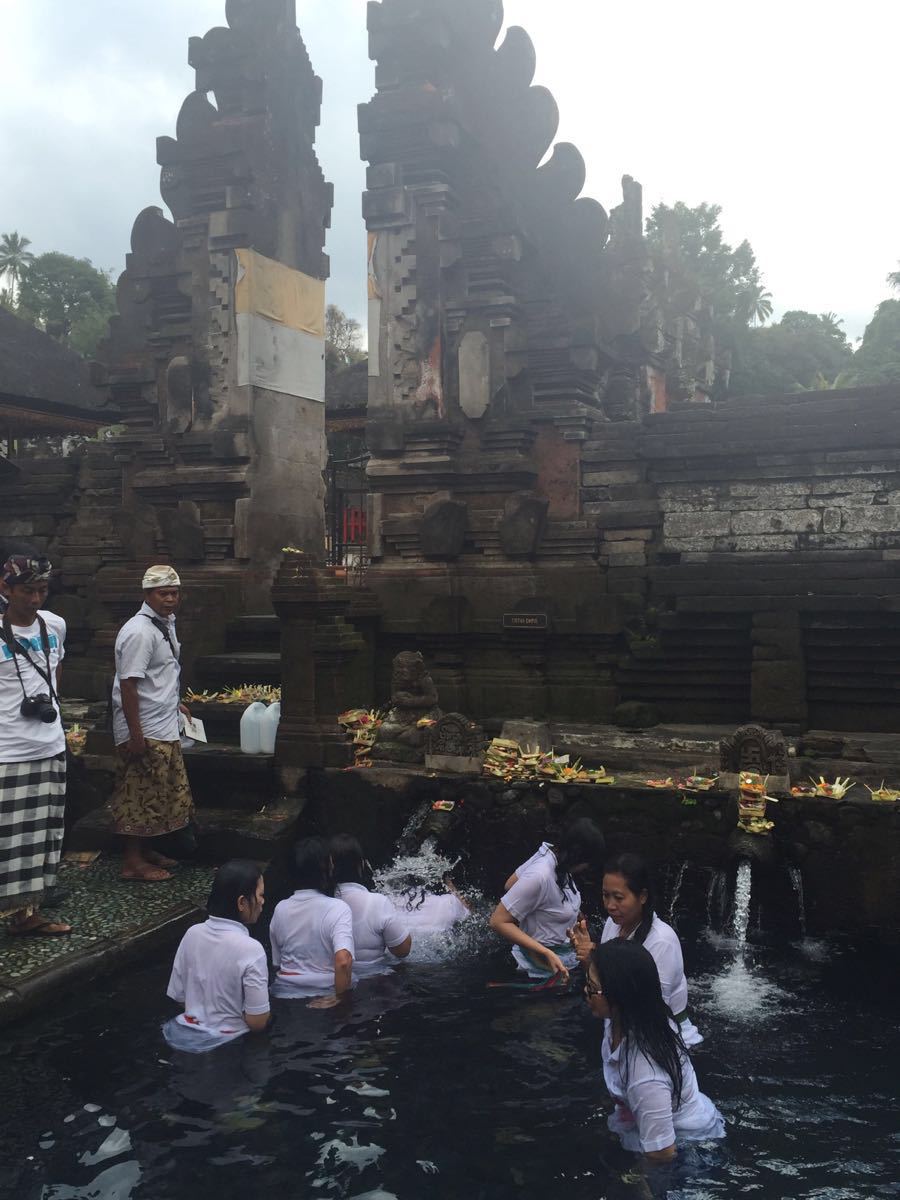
x=32, y=804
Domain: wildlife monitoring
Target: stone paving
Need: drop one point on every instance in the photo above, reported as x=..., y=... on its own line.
x=112, y=921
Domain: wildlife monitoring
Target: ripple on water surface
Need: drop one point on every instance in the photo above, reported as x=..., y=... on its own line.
x=432, y=1085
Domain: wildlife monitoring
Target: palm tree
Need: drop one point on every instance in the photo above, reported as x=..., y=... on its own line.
x=894, y=280
x=756, y=303
x=14, y=258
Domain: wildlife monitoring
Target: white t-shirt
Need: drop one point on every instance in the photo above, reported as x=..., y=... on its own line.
x=142, y=653
x=643, y=1117
x=436, y=914
x=307, y=931
x=537, y=859
x=377, y=928
x=542, y=910
x=27, y=739
x=219, y=974
x=663, y=944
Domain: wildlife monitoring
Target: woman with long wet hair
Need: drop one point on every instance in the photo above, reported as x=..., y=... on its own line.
x=630, y=905
x=646, y=1066
x=542, y=901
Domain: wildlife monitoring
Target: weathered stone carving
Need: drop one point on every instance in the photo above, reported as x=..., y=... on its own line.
x=523, y=524
x=455, y=735
x=414, y=698
x=752, y=748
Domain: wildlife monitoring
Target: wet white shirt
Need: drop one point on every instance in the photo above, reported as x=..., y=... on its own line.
x=142, y=653
x=542, y=910
x=377, y=928
x=663, y=944
x=537, y=859
x=643, y=1117
x=435, y=914
x=307, y=931
x=219, y=974
x=28, y=739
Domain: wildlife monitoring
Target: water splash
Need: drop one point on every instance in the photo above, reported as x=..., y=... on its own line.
x=741, y=914
x=797, y=884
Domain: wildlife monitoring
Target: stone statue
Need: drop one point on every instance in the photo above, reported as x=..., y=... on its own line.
x=413, y=699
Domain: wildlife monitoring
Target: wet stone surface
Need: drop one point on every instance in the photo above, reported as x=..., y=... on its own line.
x=102, y=910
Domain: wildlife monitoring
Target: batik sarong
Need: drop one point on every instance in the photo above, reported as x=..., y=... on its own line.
x=152, y=795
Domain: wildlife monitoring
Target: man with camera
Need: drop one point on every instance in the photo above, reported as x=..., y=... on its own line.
x=32, y=747
x=152, y=796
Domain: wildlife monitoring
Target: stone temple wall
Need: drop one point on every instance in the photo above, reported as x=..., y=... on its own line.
x=750, y=550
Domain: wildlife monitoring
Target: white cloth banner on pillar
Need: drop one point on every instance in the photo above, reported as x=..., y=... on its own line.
x=280, y=318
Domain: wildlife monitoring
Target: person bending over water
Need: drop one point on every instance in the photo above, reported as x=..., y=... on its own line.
x=426, y=912
x=629, y=903
x=220, y=973
x=646, y=1066
x=312, y=932
x=380, y=935
x=542, y=901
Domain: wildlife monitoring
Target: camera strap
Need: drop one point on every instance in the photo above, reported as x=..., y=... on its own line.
x=163, y=628
x=18, y=650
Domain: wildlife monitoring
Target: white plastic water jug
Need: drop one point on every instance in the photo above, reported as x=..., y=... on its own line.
x=268, y=727
x=251, y=728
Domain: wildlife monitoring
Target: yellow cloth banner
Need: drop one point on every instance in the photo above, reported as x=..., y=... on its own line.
x=269, y=289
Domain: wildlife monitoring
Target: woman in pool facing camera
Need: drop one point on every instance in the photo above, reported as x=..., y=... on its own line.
x=629, y=903
x=542, y=901
x=646, y=1066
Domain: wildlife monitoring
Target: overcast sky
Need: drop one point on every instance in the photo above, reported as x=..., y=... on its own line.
x=783, y=112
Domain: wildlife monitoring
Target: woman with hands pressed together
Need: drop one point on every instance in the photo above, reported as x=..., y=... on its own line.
x=542, y=902
x=631, y=916
x=646, y=1066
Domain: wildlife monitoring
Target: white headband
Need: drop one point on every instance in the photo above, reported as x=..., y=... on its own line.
x=160, y=576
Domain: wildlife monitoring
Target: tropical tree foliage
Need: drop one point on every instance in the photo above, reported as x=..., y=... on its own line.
x=68, y=297
x=14, y=258
x=877, y=361
x=343, y=338
x=801, y=351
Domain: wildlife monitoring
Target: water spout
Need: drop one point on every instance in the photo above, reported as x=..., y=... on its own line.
x=741, y=914
x=797, y=884
x=676, y=892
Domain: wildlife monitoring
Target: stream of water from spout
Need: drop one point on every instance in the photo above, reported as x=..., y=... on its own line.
x=741, y=916
x=797, y=884
x=676, y=892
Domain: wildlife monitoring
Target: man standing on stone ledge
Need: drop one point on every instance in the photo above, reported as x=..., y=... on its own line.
x=152, y=796
x=32, y=747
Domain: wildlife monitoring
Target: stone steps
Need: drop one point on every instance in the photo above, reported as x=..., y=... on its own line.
x=233, y=668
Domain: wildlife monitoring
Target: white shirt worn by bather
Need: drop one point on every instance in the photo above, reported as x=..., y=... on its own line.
x=142, y=653
x=663, y=945
x=542, y=910
x=433, y=914
x=307, y=931
x=28, y=739
x=643, y=1117
x=219, y=974
x=377, y=928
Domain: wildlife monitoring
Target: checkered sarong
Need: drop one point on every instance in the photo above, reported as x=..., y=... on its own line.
x=32, y=802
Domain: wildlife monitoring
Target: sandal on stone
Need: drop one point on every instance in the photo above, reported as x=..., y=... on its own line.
x=41, y=928
x=149, y=875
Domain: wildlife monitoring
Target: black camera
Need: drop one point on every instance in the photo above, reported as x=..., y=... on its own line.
x=40, y=706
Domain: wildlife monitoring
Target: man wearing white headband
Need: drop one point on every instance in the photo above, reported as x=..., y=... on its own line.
x=152, y=796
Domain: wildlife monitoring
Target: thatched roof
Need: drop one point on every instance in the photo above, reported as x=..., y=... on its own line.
x=40, y=376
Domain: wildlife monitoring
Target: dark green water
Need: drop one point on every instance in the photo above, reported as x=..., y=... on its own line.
x=434, y=1086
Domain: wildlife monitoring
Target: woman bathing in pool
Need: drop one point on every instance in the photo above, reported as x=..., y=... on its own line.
x=646, y=1066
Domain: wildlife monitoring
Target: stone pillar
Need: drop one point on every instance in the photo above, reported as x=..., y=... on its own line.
x=295, y=599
